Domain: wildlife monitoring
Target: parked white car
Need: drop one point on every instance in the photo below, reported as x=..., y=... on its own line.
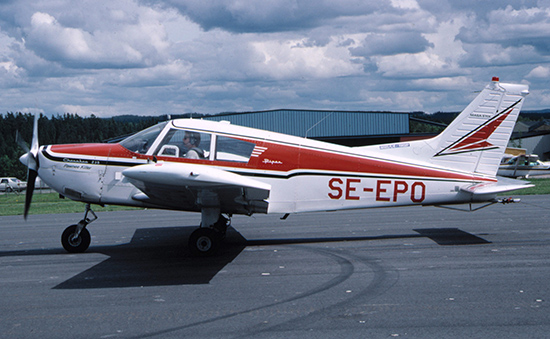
x=12, y=185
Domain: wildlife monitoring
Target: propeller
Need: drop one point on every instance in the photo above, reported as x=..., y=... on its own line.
x=30, y=159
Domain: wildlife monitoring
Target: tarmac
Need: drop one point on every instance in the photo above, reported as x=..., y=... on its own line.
x=412, y=272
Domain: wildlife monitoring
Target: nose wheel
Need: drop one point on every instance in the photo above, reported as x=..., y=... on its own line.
x=75, y=242
x=76, y=238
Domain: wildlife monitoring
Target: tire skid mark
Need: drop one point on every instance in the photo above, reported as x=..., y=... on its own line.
x=384, y=278
x=346, y=271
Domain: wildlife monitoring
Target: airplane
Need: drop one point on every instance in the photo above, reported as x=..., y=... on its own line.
x=523, y=165
x=220, y=170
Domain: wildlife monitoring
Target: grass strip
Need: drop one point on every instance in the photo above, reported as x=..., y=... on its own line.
x=46, y=203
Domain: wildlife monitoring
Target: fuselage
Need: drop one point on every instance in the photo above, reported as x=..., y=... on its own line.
x=305, y=175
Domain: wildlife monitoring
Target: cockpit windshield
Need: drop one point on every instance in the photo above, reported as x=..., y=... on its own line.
x=141, y=141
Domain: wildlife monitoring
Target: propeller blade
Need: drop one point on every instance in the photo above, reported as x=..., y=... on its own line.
x=31, y=160
x=34, y=143
x=19, y=140
x=31, y=179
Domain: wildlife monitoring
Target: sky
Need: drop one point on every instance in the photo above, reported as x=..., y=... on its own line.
x=159, y=57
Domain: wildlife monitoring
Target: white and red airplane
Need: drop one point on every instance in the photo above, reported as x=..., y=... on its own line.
x=220, y=169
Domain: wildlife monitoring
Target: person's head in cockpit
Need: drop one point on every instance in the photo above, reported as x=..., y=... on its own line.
x=191, y=141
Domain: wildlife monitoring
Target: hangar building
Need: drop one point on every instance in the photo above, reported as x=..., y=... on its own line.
x=351, y=128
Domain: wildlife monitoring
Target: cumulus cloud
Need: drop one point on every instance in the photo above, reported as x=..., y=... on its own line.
x=411, y=65
x=491, y=55
x=511, y=27
x=542, y=72
x=132, y=46
x=270, y=16
x=443, y=83
x=391, y=44
x=292, y=60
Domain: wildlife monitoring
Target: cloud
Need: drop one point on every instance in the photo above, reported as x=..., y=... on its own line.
x=392, y=44
x=412, y=65
x=270, y=16
x=159, y=75
x=491, y=55
x=137, y=45
x=294, y=60
x=9, y=70
x=541, y=72
x=442, y=84
x=512, y=27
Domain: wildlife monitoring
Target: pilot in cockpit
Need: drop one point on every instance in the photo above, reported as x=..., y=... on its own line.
x=191, y=141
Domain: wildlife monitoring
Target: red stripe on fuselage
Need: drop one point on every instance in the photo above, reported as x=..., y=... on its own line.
x=286, y=158
x=97, y=150
x=347, y=163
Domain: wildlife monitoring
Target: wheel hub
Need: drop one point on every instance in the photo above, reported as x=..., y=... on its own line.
x=204, y=243
x=75, y=241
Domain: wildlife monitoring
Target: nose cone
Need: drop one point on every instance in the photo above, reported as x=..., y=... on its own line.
x=29, y=160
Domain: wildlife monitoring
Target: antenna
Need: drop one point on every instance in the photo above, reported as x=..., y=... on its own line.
x=318, y=122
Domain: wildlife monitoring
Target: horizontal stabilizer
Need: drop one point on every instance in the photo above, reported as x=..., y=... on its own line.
x=503, y=185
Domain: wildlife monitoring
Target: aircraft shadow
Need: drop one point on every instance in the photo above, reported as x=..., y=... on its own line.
x=159, y=256
x=451, y=236
x=155, y=257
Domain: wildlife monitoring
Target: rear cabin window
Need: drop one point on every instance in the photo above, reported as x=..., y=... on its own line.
x=235, y=150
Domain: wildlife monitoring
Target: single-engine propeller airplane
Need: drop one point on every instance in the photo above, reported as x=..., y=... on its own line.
x=220, y=169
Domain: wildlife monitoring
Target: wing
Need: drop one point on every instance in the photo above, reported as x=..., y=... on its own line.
x=191, y=187
x=501, y=186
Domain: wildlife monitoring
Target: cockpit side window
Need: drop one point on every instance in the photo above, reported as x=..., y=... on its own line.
x=186, y=144
x=235, y=150
x=141, y=141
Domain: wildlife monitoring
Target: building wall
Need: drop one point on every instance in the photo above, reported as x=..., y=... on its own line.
x=539, y=145
x=322, y=124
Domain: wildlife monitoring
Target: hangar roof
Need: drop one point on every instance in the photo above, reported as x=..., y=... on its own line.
x=320, y=124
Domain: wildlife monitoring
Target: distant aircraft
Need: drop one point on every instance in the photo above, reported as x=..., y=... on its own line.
x=220, y=169
x=523, y=165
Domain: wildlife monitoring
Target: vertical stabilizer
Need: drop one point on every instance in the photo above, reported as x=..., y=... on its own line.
x=476, y=140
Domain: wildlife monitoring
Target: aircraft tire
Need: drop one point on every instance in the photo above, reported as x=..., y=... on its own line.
x=204, y=242
x=78, y=245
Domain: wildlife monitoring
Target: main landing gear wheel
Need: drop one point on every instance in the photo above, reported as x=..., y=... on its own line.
x=204, y=241
x=73, y=243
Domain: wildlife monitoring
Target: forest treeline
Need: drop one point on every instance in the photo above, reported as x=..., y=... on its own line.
x=60, y=129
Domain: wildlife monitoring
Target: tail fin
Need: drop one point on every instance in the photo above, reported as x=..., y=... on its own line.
x=476, y=140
